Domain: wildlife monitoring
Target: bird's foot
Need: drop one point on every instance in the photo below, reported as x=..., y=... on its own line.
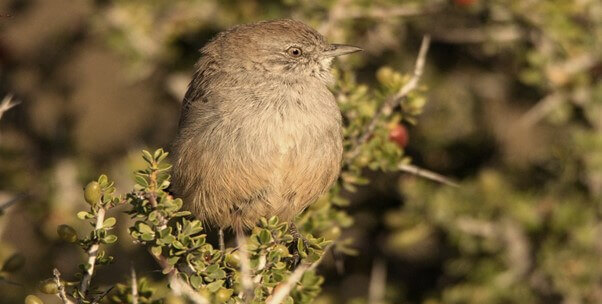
x=222, y=244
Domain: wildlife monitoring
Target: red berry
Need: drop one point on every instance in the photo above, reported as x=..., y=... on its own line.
x=399, y=134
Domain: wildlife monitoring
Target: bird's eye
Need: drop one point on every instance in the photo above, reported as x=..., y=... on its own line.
x=294, y=51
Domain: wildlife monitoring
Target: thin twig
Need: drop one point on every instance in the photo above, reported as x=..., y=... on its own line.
x=392, y=101
x=427, y=174
x=285, y=288
x=92, y=254
x=283, y=291
x=15, y=199
x=177, y=285
x=134, y=285
x=99, y=298
x=245, y=268
x=6, y=104
x=378, y=281
x=541, y=109
x=61, y=294
x=152, y=198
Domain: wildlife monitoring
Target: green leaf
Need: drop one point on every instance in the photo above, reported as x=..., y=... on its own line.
x=156, y=250
x=162, y=156
x=215, y=272
x=215, y=286
x=178, y=245
x=301, y=248
x=168, y=239
x=147, y=157
x=157, y=154
x=110, y=239
x=264, y=222
x=265, y=236
x=196, y=281
x=273, y=221
x=109, y=222
x=173, y=260
x=84, y=215
x=141, y=181
x=144, y=228
x=181, y=213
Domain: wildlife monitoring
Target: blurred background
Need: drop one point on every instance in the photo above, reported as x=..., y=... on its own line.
x=513, y=113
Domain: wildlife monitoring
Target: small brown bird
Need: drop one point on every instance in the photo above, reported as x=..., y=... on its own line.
x=260, y=133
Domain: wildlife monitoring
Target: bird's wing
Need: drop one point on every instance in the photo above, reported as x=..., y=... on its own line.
x=197, y=89
x=195, y=93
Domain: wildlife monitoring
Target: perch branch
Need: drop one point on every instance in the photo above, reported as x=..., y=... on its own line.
x=427, y=174
x=177, y=285
x=283, y=291
x=392, y=101
x=92, y=254
x=61, y=294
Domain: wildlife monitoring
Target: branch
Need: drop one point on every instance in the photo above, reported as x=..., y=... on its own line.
x=62, y=295
x=134, y=285
x=392, y=101
x=7, y=103
x=102, y=295
x=245, y=268
x=427, y=174
x=152, y=198
x=541, y=109
x=285, y=288
x=177, y=285
x=17, y=198
x=378, y=280
x=92, y=254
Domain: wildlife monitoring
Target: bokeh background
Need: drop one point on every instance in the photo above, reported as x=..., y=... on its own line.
x=513, y=113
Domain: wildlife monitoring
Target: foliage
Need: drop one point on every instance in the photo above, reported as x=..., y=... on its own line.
x=514, y=114
x=176, y=241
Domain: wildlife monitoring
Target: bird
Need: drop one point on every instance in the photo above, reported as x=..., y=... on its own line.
x=260, y=132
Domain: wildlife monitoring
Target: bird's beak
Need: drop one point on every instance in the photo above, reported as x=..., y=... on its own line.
x=341, y=49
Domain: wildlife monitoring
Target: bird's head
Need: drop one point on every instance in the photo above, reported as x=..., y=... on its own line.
x=285, y=49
